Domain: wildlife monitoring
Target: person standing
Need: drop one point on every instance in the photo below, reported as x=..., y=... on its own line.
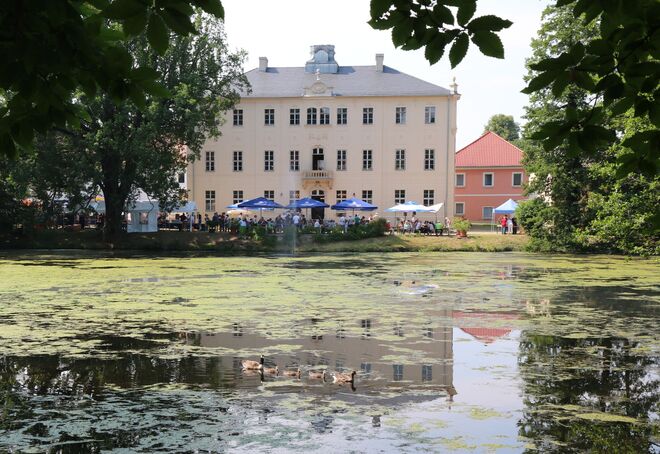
x=503, y=224
x=509, y=226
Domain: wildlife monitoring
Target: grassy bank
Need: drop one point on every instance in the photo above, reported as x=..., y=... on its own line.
x=231, y=244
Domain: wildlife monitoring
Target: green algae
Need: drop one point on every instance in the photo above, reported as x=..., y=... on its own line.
x=606, y=417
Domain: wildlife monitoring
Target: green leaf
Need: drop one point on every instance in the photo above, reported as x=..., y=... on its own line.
x=401, y=33
x=443, y=14
x=458, y=49
x=622, y=106
x=435, y=49
x=157, y=34
x=123, y=9
x=135, y=25
x=7, y=146
x=144, y=73
x=465, y=12
x=560, y=84
x=489, y=22
x=379, y=7
x=155, y=89
x=213, y=7
x=178, y=22
x=540, y=81
x=489, y=44
x=583, y=80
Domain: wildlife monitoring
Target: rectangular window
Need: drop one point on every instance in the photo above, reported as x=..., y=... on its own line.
x=294, y=195
x=368, y=116
x=238, y=161
x=368, y=195
x=269, y=117
x=399, y=196
x=489, y=179
x=324, y=116
x=311, y=116
x=238, y=117
x=269, y=194
x=367, y=160
x=429, y=159
x=400, y=160
x=210, y=161
x=341, y=195
x=397, y=373
x=342, y=115
x=429, y=115
x=487, y=213
x=400, y=116
x=209, y=199
x=429, y=197
x=294, y=160
x=294, y=116
x=237, y=196
x=269, y=161
x=427, y=372
x=516, y=179
x=341, y=159
x=459, y=209
x=460, y=180
x=182, y=177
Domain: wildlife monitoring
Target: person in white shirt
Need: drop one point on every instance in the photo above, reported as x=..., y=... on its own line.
x=296, y=220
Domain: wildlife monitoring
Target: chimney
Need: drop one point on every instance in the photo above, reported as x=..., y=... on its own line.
x=379, y=62
x=263, y=64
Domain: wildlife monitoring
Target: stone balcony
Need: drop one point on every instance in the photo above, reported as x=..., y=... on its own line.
x=317, y=179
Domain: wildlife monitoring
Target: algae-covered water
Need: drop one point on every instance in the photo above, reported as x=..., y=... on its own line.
x=457, y=352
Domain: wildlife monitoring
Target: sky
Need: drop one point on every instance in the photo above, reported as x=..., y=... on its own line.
x=284, y=30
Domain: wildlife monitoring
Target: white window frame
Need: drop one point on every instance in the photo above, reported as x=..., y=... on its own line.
x=342, y=115
x=269, y=194
x=368, y=195
x=367, y=160
x=429, y=159
x=294, y=195
x=513, y=179
x=269, y=117
x=294, y=116
x=456, y=180
x=269, y=160
x=294, y=160
x=237, y=161
x=428, y=197
x=460, y=212
x=400, y=159
x=492, y=179
x=399, y=196
x=429, y=115
x=238, y=117
x=400, y=115
x=209, y=200
x=367, y=115
x=341, y=195
x=324, y=116
x=209, y=161
x=311, y=116
x=237, y=196
x=483, y=212
x=341, y=160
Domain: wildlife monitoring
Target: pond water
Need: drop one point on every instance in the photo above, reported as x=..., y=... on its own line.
x=462, y=352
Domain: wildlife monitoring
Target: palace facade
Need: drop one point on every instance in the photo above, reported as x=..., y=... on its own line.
x=332, y=132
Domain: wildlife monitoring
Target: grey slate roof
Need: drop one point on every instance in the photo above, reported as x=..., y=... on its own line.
x=289, y=82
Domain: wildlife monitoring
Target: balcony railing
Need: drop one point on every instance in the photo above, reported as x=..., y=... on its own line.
x=317, y=175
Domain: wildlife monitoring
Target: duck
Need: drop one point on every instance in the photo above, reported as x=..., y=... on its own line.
x=341, y=378
x=317, y=374
x=291, y=373
x=249, y=364
x=271, y=370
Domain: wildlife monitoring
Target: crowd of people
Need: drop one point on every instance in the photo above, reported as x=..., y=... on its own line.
x=414, y=225
x=509, y=225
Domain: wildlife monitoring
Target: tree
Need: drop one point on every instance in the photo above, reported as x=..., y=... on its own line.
x=124, y=145
x=617, y=66
x=591, y=207
x=53, y=49
x=504, y=126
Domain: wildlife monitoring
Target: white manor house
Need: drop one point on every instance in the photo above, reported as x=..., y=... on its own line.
x=332, y=132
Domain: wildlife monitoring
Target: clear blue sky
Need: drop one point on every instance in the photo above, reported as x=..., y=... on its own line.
x=283, y=30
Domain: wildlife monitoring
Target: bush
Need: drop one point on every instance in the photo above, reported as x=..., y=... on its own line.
x=373, y=229
x=461, y=224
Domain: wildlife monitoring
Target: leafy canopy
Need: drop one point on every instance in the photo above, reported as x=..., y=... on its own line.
x=52, y=50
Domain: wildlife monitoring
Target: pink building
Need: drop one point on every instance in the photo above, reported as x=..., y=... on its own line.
x=488, y=173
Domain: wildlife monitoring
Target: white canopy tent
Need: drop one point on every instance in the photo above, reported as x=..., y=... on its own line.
x=142, y=215
x=508, y=207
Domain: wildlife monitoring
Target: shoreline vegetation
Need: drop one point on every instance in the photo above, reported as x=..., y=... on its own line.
x=227, y=243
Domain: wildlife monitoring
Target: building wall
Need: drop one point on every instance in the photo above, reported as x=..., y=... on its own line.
x=383, y=138
x=475, y=196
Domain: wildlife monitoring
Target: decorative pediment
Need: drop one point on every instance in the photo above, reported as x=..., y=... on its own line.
x=318, y=88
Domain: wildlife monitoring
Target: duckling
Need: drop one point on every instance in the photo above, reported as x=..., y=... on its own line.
x=317, y=375
x=248, y=364
x=343, y=378
x=271, y=370
x=291, y=373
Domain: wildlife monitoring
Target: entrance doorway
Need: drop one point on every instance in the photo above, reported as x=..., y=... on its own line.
x=317, y=159
x=318, y=213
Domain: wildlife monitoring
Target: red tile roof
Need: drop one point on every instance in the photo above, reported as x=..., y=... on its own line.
x=489, y=150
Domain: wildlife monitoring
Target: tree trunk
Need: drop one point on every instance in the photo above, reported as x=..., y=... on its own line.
x=114, y=206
